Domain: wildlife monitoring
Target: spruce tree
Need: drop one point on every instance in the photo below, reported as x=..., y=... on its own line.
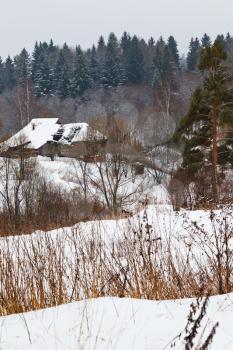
x=174, y=53
x=205, y=41
x=158, y=63
x=114, y=74
x=101, y=48
x=9, y=74
x=51, y=52
x=228, y=38
x=135, y=67
x=125, y=47
x=69, y=55
x=151, y=53
x=228, y=45
x=62, y=76
x=36, y=60
x=51, y=47
x=151, y=42
x=206, y=127
x=163, y=67
x=2, y=78
x=95, y=67
x=22, y=67
x=45, y=46
x=101, y=52
x=221, y=39
x=81, y=79
x=42, y=74
x=193, y=54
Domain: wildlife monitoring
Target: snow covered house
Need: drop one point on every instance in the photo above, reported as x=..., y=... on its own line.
x=48, y=137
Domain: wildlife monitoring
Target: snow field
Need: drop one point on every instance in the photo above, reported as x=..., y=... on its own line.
x=114, y=324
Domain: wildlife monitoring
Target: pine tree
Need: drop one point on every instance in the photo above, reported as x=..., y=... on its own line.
x=81, y=80
x=9, y=74
x=62, y=76
x=114, y=74
x=205, y=128
x=205, y=41
x=193, y=54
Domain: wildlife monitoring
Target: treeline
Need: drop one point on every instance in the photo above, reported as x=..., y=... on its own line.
x=68, y=72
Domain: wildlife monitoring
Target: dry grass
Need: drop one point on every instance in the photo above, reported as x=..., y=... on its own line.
x=47, y=269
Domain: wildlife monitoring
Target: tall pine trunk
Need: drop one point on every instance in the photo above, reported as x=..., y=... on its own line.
x=214, y=151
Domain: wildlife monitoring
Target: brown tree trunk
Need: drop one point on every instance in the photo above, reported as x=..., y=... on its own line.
x=214, y=151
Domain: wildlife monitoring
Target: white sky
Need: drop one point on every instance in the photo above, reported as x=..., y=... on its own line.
x=22, y=22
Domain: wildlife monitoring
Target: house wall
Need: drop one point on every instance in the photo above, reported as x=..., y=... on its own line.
x=75, y=150
x=19, y=152
x=50, y=149
x=82, y=149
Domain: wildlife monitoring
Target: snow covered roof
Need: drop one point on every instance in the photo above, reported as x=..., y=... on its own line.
x=40, y=131
x=36, y=133
x=76, y=132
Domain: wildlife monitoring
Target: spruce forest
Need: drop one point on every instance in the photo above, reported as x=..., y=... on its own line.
x=65, y=81
x=165, y=99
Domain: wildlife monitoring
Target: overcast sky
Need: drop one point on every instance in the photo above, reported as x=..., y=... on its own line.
x=22, y=22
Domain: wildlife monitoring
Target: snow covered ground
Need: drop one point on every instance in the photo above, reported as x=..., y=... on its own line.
x=114, y=324
x=67, y=173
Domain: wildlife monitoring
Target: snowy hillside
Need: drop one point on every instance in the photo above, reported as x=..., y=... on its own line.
x=113, y=323
x=69, y=174
x=97, y=272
